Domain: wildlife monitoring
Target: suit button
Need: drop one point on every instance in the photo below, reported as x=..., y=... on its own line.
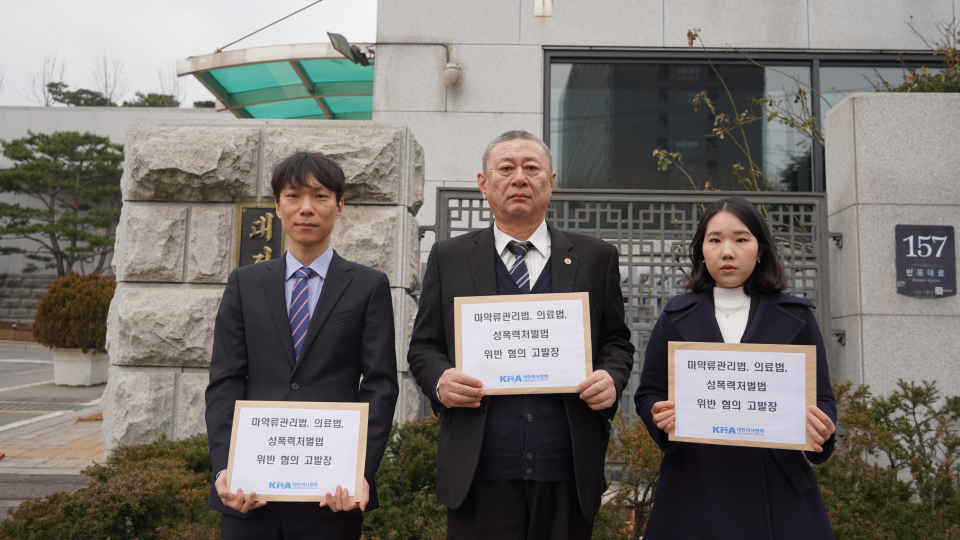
x=528, y=471
x=530, y=417
x=295, y=386
x=529, y=456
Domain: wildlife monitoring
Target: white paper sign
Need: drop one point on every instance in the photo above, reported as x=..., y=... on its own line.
x=299, y=452
x=535, y=345
x=741, y=396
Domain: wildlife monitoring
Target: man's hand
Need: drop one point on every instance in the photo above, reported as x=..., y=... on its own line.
x=664, y=415
x=820, y=427
x=340, y=501
x=458, y=389
x=598, y=390
x=239, y=502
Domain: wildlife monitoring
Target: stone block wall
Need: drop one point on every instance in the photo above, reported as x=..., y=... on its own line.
x=891, y=159
x=20, y=295
x=176, y=240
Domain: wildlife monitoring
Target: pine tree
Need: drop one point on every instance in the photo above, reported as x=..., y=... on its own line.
x=152, y=100
x=75, y=180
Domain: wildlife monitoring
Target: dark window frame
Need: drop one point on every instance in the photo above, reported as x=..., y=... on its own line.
x=815, y=60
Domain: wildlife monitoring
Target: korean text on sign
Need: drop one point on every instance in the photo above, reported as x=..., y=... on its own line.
x=524, y=344
x=740, y=395
x=298, y=452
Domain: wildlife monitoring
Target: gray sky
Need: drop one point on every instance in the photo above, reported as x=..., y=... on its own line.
x=147, y=36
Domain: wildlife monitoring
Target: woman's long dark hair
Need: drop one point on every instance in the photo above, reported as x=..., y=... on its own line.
x=767, y=276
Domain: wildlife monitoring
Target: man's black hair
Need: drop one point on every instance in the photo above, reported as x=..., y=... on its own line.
x=298, y=170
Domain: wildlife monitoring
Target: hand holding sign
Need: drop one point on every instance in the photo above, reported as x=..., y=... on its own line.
x=598, y=390
x=457, y=389
x=664, y=415
x=820, y=427
x=238, y=501
x=340, y=501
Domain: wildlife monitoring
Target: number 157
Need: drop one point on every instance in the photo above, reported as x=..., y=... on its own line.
x=921, y=245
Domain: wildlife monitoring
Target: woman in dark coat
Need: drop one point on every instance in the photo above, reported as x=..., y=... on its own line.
x=711, y=491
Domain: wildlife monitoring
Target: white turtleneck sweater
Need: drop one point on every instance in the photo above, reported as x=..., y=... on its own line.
x=732, y=309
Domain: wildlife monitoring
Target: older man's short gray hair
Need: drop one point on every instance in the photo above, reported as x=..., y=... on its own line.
x=513, y=135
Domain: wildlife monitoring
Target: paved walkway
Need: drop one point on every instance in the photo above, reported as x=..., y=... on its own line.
x=48, y=433
x=61, y=444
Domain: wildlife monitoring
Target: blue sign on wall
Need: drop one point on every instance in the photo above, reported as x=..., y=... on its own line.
x=926, y=261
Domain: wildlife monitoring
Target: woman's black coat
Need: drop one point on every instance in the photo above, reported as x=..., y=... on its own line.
x=711, y=491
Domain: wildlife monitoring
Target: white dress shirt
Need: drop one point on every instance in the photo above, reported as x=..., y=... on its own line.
x=536, y=258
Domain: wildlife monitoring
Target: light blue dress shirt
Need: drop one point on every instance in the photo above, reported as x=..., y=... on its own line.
x=320, y=266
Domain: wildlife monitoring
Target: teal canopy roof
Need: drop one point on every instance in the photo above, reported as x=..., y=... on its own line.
x=306, y=81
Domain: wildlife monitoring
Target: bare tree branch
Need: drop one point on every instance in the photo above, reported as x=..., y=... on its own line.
x=52, y=71
x=3, y=79
x=170, y=84
x=107, y=78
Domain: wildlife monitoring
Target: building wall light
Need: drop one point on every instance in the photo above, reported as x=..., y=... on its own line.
x=451, y=75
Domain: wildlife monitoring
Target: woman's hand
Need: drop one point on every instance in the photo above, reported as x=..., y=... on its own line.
x=664, y=415
x=820, y=427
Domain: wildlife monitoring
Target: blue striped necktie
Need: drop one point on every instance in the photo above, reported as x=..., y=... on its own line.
x=519, y=271
x=299, y=312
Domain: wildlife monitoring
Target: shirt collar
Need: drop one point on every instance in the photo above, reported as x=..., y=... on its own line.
x=540, y=239
x=320, y=265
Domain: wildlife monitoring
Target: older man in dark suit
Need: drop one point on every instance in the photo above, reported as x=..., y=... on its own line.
x=520, y=466
x=308, y=326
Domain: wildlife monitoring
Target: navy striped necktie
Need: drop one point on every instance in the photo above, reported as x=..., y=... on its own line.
x=519, y=271
x=299, y=312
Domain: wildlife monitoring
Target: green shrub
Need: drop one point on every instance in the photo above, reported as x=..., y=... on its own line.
x=407, y=486
x=613, y=521
x=895, y=473
x=634, y=460
x=155, y=491
x=73, y=313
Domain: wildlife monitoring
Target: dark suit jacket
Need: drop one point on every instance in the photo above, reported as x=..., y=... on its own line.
x=465, y=266
x=734, y=492
x=351, y=335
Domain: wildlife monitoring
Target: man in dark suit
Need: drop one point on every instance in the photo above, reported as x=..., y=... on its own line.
x=520, y=466
x=308, y=326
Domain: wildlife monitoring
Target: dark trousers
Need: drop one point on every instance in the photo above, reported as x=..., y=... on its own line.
x=519, y=510
x=292, y=521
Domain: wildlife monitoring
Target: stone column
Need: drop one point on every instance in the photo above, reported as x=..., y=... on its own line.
x=176, y=240
x=891, y=159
